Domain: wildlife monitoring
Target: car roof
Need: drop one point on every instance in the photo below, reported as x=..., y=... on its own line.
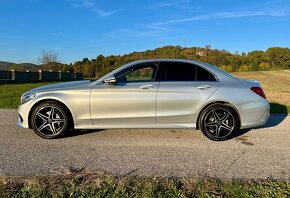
x=221, y=74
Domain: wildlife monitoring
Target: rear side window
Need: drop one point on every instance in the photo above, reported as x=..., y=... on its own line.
x=203, y=75
x=177, y=71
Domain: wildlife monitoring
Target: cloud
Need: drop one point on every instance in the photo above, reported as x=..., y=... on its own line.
x=273, y=13
x=104, y=13
x=140, y=31
x=181, y=4
x=82, y=3
x=153, y=31
x=155, y=27
x=223, y=15
x=91, y=5
x=274, y=2
x=57, y=34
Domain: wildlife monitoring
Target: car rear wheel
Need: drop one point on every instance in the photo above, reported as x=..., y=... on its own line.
x=50, y=120
x=218, y=122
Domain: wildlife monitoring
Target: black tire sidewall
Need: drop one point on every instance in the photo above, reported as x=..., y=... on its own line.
x=61, y=108
x=218, y=106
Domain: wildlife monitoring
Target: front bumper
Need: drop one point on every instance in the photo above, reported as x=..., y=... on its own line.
x=23, y=111
x=20, y=123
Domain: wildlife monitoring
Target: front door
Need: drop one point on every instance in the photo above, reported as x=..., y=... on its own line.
x=129, y=101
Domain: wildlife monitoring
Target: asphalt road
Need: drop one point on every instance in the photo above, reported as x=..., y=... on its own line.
x=257, y=153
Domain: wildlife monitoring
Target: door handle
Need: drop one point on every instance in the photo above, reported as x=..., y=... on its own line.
x=203, y=87
x=146, y=86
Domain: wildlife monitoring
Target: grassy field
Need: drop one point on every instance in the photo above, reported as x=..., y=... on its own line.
x=276, y=85
x=93, y=185
x=10, y=93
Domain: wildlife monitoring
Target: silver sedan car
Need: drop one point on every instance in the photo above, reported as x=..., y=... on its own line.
x=159, y=93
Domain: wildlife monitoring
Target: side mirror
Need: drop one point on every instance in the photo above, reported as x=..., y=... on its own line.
x=110, y=80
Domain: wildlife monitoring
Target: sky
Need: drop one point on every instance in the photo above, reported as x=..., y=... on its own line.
x=76, y=29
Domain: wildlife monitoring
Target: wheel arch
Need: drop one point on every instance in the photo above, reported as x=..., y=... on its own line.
x=223, y=103
x=46, y=100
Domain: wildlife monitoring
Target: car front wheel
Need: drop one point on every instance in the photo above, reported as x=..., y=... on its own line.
x=218, y=122
x=50, y=120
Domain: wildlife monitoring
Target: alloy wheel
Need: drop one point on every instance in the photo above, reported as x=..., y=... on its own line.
x=49, y=120
x=219, y=123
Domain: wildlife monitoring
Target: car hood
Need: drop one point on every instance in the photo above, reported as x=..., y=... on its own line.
x=60, y=86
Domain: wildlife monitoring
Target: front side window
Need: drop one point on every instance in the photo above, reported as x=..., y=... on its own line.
x=178, y=71
x=139, y=73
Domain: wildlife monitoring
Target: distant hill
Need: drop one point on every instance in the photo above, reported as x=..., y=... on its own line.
x=4, y=66
x=31, y=66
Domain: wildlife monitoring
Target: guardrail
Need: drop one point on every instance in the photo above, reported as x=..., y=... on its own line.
x=14, y=76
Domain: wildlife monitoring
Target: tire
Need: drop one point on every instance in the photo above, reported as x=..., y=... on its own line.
x=218, y=122
x=50, y=119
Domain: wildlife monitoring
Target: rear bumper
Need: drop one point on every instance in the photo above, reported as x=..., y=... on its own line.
x=254, y=114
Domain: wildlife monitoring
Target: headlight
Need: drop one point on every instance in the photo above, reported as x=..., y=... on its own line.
x=26, y=97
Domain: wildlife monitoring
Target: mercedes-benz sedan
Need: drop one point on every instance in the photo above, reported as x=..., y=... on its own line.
x=160, y=93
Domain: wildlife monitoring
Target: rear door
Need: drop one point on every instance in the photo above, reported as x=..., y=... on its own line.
x=183, y=89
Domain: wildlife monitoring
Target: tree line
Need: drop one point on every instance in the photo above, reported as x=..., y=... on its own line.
x=274, y=58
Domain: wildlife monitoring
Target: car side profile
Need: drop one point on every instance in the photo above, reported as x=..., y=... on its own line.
x=158, y=93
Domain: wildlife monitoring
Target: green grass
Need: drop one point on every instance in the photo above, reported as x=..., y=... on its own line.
x=92, y=185
x=10, y=93
x=276, y=85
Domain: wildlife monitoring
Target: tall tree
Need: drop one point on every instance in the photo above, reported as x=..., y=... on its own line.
x=279, y=57
x=50, y=60
x=255, y=58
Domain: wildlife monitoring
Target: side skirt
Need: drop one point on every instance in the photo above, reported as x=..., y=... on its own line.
x=132, y=126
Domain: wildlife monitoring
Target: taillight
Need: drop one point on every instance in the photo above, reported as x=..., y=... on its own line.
x=259, y=91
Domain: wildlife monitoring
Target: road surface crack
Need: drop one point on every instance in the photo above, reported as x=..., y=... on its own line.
x=233, y=162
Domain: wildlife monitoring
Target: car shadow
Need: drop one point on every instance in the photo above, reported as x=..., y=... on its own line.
x=278, y=108
x=74, y=132
x=274, y=120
